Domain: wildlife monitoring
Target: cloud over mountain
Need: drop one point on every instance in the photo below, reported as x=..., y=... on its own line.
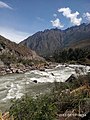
x=87, y=16
x=72, y=16
x=57, y=23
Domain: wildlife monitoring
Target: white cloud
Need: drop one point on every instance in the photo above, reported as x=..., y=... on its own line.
x=57, y=23
x=55, y=15
x=87, y=16
x=13, y=35
x=72, y=16
x=4, y=5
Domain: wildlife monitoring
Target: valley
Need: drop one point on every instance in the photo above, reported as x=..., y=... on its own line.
x=45, y=60
x=47, y=65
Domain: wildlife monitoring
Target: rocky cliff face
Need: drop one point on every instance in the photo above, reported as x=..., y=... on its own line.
x=45, y=43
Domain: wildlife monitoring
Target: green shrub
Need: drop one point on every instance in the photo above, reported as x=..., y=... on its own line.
x=41, y=108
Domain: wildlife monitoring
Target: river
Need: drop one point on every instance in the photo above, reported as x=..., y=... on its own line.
x=14, y=86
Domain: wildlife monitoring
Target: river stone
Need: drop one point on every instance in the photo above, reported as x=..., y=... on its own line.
x=8, y=70
x=72, y=78
x=19, y=71
x=42, y=69
x=35, y=81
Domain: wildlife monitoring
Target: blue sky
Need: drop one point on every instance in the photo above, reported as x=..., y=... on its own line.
x=22, y=18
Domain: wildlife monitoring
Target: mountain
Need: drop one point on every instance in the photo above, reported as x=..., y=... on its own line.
x=12, y=51
x=45, y=43
x=77, y=35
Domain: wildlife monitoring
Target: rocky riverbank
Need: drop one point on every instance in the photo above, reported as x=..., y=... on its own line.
x=20, y=68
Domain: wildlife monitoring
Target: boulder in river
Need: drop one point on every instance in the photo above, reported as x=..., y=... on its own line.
x=52, y=74
x=35, y=81
x=42, y=69
x=13, y=70
x=71, y=78
x=19, y=71
x=8, y=70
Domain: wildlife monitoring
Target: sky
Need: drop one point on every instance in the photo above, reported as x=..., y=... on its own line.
x=20, y=19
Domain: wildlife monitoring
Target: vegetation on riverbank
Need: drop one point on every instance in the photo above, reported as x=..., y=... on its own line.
x=64, y=98
x=77, y=55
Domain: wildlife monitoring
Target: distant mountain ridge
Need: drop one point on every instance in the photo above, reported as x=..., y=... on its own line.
x=45, y=43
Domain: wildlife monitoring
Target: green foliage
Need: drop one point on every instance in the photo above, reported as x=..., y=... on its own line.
x=71, y=55
x=41, y=108
x=8, y=58
x=25, y=61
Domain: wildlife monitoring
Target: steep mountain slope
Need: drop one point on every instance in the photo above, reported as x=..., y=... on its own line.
x=77, y=34
x=18, y=51
x=45, y=43
x=81, y=44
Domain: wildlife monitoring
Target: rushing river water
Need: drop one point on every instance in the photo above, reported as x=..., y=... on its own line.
x=16, y=85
